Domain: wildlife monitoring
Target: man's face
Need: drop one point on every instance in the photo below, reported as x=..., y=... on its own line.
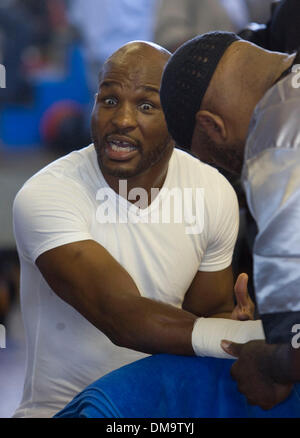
x=128, y=126
x=228, y=156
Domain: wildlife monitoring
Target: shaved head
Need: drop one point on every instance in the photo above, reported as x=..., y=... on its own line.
x=141, y=46
x=137, y=51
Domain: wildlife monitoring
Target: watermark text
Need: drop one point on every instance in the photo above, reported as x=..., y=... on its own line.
x=296, y=338
x=174, y=206
x=296, y=77
x=2, y=336
x=2, y=76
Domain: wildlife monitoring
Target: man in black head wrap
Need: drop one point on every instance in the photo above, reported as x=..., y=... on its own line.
x=236, y=106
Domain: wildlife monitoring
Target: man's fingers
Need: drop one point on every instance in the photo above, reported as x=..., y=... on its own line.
x=231, y=348
x=241, y=290
x=244, y=315
x=244, y=308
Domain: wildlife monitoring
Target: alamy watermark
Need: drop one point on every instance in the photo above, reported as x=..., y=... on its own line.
x=296, y=338
x=296, y=77
x=175, y=206
x=2, y=76
x=2, y=336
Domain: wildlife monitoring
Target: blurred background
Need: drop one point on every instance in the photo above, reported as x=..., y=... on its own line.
x=52, y=51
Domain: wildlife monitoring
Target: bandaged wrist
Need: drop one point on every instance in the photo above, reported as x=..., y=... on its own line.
x=208, y=333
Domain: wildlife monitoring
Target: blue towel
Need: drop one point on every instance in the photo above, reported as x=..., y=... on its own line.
x=169, y=386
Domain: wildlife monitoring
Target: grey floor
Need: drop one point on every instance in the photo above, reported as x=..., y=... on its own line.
x=16, y=166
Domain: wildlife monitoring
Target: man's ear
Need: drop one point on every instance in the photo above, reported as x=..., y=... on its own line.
x=212, y=124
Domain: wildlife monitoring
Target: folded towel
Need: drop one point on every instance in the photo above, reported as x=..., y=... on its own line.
x=169, y=386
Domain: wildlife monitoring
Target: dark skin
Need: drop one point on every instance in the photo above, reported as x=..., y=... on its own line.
x=127, y=109
x=264, y=373
x=78, y=273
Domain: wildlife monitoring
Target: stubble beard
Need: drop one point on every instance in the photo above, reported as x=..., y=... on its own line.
x=146, y=161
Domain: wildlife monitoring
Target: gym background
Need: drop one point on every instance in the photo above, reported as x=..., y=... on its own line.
x=52, y=51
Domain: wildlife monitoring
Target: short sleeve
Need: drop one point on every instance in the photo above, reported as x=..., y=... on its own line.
x=223, y=216
x=274, y=199
x=271, y=177
x=48, y=212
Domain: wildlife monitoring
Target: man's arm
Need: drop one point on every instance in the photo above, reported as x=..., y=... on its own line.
x=211, y=291
x=211, y=294
x=271, y=172
x=51, y=223
x=88, y=278
x=276, y=249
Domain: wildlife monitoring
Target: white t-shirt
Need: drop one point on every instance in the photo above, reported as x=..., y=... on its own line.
x=60, y=205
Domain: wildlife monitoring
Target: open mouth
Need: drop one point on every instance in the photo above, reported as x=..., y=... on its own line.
x=120, y=150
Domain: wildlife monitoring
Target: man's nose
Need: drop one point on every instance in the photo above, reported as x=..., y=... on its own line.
x=124, y=117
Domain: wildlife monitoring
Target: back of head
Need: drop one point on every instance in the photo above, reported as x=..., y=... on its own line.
x=186, y=78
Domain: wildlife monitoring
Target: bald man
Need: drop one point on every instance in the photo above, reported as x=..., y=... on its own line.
x=103, y=280
x=237, y=106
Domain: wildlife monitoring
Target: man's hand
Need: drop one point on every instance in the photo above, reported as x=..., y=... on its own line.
x=253, y=375
x=244, y=308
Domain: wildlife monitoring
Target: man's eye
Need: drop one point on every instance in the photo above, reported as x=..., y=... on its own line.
x=146, y=106
x=109, y=101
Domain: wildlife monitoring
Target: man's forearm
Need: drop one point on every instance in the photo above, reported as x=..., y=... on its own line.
x=106, y=295
x=149, y=326
x=153, y=327
x=145, y=325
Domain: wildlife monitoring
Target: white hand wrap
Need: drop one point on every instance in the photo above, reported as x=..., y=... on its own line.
x=209, y=332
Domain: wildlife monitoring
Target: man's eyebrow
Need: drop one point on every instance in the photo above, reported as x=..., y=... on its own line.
x=109, y=83
x=150, y=88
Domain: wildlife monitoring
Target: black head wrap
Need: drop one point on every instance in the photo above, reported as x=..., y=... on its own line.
x=186, y=78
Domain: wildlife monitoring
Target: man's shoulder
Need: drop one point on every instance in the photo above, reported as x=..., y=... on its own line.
x=193, y=173
x=275, y=120
x=197, y=171
x=69, y=178
x=187, y=159
x=68, y=168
